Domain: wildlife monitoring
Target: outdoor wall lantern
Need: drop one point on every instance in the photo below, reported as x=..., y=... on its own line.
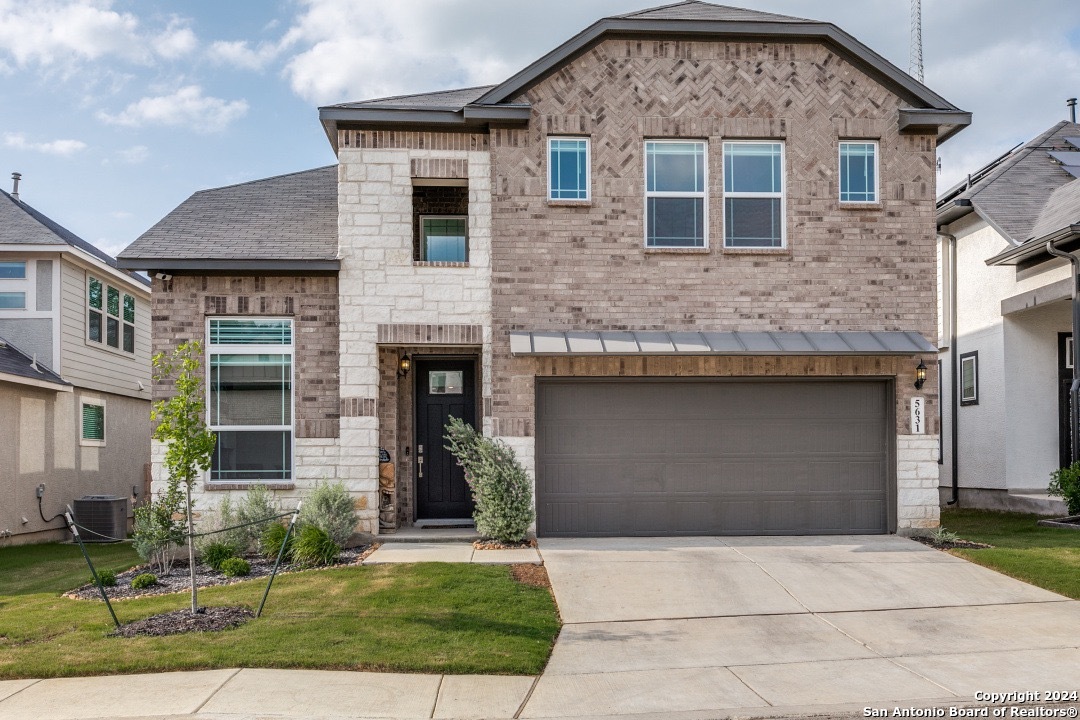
x=404, y=365
x=920, y=375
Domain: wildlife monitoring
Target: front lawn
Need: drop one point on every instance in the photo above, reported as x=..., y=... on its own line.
x=429, y=617
x=1043, y=556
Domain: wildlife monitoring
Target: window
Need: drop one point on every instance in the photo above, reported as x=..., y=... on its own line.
x=92, y=426
x=568, y=168
x=250, y=399
x=444, y=238
x=675, y=208
x=858, y=172
x=754, y=194
x=969, y=378
x=1069, y=353
x=13, y=270
x=14, y=285
x=12, y=301
x=110, y=316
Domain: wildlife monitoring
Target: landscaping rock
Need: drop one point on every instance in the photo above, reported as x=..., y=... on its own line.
x=950, y=544
x=1066, y=523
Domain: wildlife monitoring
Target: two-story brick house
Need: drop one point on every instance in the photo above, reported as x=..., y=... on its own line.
x=684, y=264
x=74, y=373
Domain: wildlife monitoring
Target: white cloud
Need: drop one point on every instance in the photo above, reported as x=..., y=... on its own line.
x=134, y=154
x=64, y=148
x=121, y=215
x=187, y=107
x=240, y=53
x=55, y=32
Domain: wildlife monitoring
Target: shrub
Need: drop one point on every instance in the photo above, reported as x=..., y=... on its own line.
x=107, y=578
x=217, y=553
x=329, y=508
x=256, y=505
x=941, y=535
x=1065, y=483
x=157, y=531
x=315, y=547
x=235, y=567
x=272, y=538
x=502, y=491
x=143, y=581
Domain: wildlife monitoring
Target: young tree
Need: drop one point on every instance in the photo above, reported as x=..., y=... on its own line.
x=182, y=427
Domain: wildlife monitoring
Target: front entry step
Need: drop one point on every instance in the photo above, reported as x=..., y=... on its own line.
x=430, y=535
x=445, y=523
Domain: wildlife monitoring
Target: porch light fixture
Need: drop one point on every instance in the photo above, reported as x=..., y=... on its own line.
x=920, y=375
x=404, y=365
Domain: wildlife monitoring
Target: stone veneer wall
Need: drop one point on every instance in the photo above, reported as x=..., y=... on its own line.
x=180, y=308
x=381, y=284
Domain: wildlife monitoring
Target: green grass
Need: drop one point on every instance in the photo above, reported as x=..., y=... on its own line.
x=427, y=617
x=1043, y=556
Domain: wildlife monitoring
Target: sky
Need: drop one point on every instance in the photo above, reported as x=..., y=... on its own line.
x=115, y=111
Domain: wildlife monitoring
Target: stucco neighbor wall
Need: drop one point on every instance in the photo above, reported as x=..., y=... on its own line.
x=41, y=445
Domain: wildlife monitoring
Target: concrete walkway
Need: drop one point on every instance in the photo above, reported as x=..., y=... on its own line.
x=688, y=628
x=456, y=552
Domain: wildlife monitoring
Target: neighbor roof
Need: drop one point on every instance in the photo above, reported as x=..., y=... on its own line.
x=20, y=224
x=478, y=107
x=17, y=366
x=278, y=223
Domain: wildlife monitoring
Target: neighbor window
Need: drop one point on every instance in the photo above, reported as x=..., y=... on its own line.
x=13, y=285
x=250, y=399
x=753, y=194
x=568, y=168
x=92, y=430
x=13, y=270
x=675, y=194
x=858, y=172
x=969, y=378
x=110, y=316
x=12, y=301
x=444, y=238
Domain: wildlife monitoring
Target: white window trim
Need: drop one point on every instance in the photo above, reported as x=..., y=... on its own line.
x=290, y=350
x=26, y=285
x=782, y=195
x=840, y=169
x=103, y=344
x=588, y=169
x=423, y=238
x=704, y=195
x=85, y=442
x=973, y=358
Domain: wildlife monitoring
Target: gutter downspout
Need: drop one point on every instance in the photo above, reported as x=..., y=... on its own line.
x=1074, y=389
x=954, y=388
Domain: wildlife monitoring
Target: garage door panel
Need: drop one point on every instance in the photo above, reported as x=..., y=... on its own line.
x=726, y=457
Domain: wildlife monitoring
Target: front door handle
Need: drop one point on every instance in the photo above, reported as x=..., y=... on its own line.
x=420, y=466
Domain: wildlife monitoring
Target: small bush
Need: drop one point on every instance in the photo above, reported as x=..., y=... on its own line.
x=107, y=578
x=157, y=530
x=143, y=581
x=330, y=508
x=256, y=505
x=214, y=554
x=1065, y=483
x=315, y=547
x=272, y=538
x=502, y=491
x=941, y=535
x=235, y=567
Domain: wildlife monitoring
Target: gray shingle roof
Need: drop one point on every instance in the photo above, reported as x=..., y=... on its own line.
x=441, y=100
x=285, y=218
x=15, y=362
x=695, y=10
x=1014, y=193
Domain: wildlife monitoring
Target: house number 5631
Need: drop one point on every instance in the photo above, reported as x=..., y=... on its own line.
x=918, y=416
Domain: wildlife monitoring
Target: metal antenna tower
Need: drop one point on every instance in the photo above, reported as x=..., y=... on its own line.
x=915, y=66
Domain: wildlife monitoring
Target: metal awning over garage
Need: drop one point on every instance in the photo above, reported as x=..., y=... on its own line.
x=536, y=342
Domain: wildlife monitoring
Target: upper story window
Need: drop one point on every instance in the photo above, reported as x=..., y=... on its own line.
x=753, y=194
x=859, y=172
x=250, y=399
x=13, y=285
x=568, y=168
x=675, y=195
x=110, y=316
x=444, y=238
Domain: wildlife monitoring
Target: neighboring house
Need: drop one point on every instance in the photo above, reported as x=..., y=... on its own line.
x=74, y=373
x=1008, y=323
x=684, y=264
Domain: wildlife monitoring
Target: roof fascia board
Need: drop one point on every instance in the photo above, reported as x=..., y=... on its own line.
x=22, y=380
x=434, y=116
x=506, y=112
x=165, y=263
x=1033, y=249
x=826, y=32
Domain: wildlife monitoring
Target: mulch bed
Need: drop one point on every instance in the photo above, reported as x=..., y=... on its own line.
x=179, y=580
x=496, y=545
x=527, y=574
x=208, y=619
x=950, y=544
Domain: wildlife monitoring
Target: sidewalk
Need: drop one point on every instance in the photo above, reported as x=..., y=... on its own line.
x=454, y=552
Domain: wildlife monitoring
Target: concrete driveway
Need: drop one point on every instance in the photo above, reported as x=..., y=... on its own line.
x=787, y=625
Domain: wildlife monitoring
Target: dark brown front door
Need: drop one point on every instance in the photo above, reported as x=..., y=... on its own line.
x=444, y=389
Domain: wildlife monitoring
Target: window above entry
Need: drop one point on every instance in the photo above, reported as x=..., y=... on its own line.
x=444, y=238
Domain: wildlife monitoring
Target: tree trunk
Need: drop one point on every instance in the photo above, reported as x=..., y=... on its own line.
x=191, y=553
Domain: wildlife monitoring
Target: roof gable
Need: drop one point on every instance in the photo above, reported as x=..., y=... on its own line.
x=697, y=10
